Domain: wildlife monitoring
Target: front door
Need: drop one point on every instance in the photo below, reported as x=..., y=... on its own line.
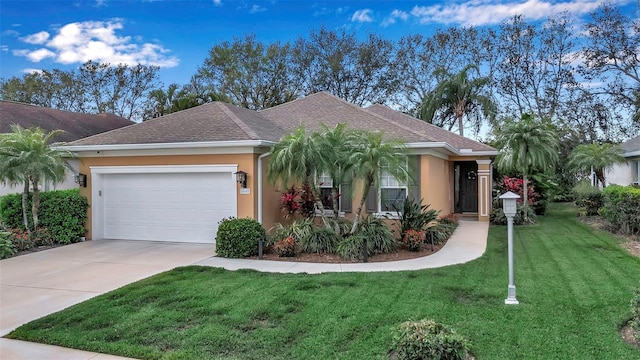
x=466, y=187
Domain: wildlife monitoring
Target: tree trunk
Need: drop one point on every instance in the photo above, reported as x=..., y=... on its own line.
x=356, y=221
x=35, y=204
x=336, y=209
x=25, y=199
x=525, y=195
x=460, y=124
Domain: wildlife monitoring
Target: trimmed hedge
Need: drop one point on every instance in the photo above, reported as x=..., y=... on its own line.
x=62, y=212
x=427, y=339
x=622, y=208
x=238, y=238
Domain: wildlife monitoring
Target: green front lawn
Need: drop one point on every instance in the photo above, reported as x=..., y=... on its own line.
x=574, y=285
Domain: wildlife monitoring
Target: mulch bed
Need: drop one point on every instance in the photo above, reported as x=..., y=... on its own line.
x=400, y=254
x=632, y=243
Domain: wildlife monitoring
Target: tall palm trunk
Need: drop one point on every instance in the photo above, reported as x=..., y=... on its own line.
x=35, y=204
x=25, y=199
x=365, y=193
x=525, y=190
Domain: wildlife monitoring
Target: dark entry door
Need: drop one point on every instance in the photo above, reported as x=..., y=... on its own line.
x=466, y=198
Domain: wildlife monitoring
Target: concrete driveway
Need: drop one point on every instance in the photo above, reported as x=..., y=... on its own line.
x=34, y=285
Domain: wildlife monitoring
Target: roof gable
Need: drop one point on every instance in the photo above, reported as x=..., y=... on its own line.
x=74, y=125
x=631, y=145
x=324, y=108
x=209, y=122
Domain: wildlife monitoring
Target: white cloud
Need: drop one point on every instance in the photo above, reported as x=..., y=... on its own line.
x=4, y=48
x=32, y=71
x=394, y=16
x=101, y=3
x=256, y=9
x=80, y=42
x=362, y=15
x=217, y=2
x=483, y=12
x=37, y=38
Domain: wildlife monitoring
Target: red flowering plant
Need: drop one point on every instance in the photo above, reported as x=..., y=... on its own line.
x=298, y=200
x=516, y=185
x=413, y=239
x=287, y=247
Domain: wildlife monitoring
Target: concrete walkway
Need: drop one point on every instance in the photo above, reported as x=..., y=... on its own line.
x=38, y=284
x=468, y=242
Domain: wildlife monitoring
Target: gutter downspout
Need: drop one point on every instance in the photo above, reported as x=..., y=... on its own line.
x=260, y=185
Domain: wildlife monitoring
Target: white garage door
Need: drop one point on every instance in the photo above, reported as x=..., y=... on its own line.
x=184, y=207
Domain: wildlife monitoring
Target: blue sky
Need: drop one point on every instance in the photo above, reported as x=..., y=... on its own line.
x=177, y=35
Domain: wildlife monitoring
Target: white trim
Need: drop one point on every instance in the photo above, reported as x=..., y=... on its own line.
x=444, y=145
x=98, y=172
x=178, y=145
x=631, y=153
x=259, y=192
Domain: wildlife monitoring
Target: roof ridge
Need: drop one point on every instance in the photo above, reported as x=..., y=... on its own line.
x=241, y=124
x=398, y=124
x=412, y=118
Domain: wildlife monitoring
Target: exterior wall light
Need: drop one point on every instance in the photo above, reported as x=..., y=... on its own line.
x=241, y=178
x=81, y=180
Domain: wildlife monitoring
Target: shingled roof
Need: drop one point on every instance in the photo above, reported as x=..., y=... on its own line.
x=210, y=122
x=631, y=145
x=324, y=108
x=75, y=125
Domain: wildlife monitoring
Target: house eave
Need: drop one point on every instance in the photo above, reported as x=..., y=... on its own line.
x=451, y=149
x=631, y=153
x=182, y=148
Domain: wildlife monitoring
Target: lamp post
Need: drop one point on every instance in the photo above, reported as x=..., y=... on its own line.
x=510, y=208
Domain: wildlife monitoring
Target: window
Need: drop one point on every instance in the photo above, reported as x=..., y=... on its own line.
x=392, y=193
x=326, y=185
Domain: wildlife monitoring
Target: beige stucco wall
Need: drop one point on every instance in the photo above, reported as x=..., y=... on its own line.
x=247, y=204
x=435, y=183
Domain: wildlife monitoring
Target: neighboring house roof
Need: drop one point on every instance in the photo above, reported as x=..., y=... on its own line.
x=324, y=108
x=631, y=145
x=75, y=125
x=210, y=122
x=220, y=123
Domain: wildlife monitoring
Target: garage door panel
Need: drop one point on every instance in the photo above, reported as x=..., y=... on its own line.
x=167, y=206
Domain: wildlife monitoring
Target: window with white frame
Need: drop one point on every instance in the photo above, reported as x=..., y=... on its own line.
x=326, y=185
x=392, y=193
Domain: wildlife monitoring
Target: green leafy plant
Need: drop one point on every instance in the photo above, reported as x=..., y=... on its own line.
x=380, y=239
x=62, y=212
x=21, y=239
x=621, y=208
x=238, y=238
x=443, y=229
x=320, y=240
x=351, y=247
x=497, y=216
x=287, y=247
x=7, y=249
x=298, y=229
x=588, y=197
x=414, y=216
x=427, y=339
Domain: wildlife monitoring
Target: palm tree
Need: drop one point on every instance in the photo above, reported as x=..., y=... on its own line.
x=295, y=159
x=335, y=145
x=597, y=157
x=370, y=158
x=526, y=146
x=27, y=156
x=456, y=97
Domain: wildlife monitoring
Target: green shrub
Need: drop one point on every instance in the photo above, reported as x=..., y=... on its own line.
x=62, y=212
x=298, y=229
x=635, y=314
x=621, y=208
x=320, y=240
x=588, y=197
x=414, y=216
x=7, y=249
x=427, y=339
x=351, y=247
x=380, y=239
x=442, y=230
x=238, y=238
